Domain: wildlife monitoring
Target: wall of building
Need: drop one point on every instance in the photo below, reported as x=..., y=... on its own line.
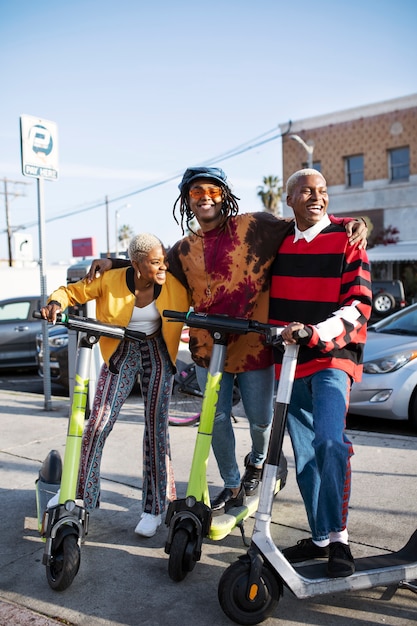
x=371, y=130
x=371, y=136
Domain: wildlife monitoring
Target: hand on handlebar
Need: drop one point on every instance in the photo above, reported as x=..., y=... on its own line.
x=296, y=332
x=50, y=311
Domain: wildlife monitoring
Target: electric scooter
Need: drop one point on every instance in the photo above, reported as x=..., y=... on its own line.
x=190, y=519
x=250, y=589
x=64, y=525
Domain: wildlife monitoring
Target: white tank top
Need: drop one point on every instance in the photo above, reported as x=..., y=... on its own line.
x=146, y=319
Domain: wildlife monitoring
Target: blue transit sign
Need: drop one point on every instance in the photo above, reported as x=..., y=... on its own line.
x=39, y=141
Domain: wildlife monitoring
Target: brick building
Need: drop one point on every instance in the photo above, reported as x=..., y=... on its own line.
x=368, y=156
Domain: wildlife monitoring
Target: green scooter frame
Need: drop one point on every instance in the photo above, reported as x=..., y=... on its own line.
x=64, y=525
x=190, y=519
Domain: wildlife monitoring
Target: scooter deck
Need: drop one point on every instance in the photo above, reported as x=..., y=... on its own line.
x=222, y=525
x=405, y=556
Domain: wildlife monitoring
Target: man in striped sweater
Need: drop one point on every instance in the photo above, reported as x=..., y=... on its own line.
x=321, y=283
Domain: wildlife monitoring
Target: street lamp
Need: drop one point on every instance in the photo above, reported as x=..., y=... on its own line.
x=308, y=148
x=116, y=220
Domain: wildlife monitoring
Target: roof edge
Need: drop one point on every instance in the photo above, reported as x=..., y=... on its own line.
x=347, y=115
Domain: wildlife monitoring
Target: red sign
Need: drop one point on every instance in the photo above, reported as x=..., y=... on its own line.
x=84, y=247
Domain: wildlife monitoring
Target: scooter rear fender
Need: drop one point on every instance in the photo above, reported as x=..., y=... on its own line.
x=195, y=518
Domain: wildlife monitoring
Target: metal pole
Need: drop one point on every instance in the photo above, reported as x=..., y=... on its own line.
x=116, y=217
x=107, y=227
x=44, y=295
x=308, y=148
x=9, y=232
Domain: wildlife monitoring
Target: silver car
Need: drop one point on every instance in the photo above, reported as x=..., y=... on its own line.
x=389, y=384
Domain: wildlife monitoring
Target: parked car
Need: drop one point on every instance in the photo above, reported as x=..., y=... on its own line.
x=58, y=354
x=389, y=384
x=18, y=330
x=387, y=297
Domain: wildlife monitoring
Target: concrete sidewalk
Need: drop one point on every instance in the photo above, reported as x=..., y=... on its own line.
x=123, y=579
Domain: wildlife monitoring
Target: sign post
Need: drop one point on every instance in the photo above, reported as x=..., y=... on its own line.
x=39, y=148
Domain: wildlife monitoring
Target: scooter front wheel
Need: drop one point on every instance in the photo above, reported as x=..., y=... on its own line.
x=64, y=565
x=243, y=605
x=181, y=557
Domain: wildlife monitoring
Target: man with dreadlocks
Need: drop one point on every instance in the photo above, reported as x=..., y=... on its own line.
x=225, y=265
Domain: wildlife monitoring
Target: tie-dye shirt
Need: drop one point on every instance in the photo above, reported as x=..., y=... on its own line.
x=228, y=272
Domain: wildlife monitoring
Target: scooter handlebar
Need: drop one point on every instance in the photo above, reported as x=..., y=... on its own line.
x=93, y=326
x=224, y=323
x=236, y=325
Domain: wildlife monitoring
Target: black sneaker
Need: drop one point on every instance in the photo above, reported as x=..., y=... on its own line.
x=251, y=479
x=304, y=550
x=341, y=561
x=225, y=501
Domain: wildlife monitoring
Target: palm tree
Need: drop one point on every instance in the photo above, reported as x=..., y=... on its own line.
x=125, y=235
x=270, y=194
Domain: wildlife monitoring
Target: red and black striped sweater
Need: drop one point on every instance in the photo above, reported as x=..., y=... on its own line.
x=326, y=284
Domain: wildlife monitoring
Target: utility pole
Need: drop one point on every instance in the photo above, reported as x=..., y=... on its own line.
x=107, y=228
x=13, y=194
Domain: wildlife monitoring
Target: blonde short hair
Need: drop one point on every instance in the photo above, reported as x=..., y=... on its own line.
x=293, y=179
x=140, y=246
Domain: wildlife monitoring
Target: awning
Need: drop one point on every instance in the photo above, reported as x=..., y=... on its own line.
x=401, y=251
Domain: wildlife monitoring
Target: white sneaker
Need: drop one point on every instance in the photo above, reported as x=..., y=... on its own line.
x=53, y=501
x=148, y=525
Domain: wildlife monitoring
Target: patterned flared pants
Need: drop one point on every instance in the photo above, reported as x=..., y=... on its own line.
x=150, y=361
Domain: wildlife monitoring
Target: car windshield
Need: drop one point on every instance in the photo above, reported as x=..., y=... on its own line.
x=402, y=323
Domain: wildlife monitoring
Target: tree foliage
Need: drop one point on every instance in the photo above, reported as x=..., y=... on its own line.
x=270, y=194
x=125, y=235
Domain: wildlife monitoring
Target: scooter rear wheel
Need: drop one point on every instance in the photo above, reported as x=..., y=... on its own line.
x=64, y=565
x=233, y=594
x=181, y=556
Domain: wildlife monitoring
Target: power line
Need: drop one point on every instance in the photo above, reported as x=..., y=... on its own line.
x=241, y=149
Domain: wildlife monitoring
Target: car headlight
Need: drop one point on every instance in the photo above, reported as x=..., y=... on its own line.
x=389, y=363
x=59, y=341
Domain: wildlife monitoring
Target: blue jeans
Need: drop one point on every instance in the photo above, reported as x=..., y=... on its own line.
x=322, y=451
x=256, y=388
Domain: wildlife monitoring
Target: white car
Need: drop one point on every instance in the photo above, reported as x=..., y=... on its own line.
x=389, y=384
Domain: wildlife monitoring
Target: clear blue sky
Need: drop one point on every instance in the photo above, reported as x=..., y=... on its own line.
x=141, y=90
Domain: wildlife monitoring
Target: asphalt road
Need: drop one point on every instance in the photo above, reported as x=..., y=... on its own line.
x=29, y=381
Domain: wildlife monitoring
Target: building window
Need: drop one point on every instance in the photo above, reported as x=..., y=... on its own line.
x=354, y=171
x=399, y=164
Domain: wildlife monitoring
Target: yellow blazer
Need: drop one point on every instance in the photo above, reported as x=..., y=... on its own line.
x=115, y=303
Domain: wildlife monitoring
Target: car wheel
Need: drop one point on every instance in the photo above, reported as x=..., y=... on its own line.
x=383, y=303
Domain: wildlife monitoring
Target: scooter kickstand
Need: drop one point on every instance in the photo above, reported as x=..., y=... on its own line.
x=410, y=585
x=241, y=527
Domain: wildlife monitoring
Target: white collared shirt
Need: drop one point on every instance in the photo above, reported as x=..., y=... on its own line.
x=313, y=231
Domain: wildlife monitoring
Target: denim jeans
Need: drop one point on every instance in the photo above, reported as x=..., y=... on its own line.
x=256, y=388
x=322, y=451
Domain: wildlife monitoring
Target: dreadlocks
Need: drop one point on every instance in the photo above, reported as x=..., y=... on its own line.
x=229, y=208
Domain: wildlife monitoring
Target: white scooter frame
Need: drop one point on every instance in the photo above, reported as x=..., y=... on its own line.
x=250, y=588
